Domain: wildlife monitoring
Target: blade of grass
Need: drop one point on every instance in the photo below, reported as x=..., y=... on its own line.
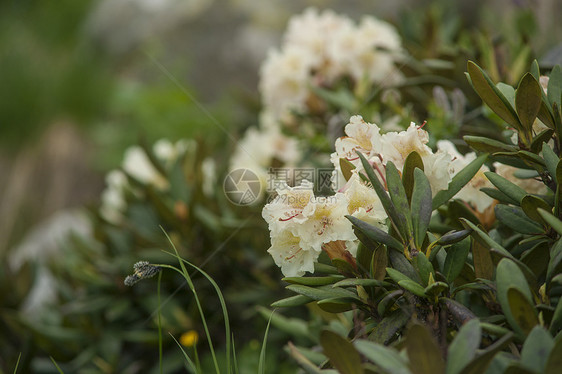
x=56, y=365
x=261, y=366
x=234, y=361
x=185, y=355
x=159, y=324
x=17, y=363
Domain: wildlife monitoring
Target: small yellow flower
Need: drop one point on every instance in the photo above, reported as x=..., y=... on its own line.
x=189, y=338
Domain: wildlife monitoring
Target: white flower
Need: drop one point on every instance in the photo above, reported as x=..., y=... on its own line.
x=209, y=172
x=287, y=208
x=363, y=202
x=113, y=202
x=137, y=164
x=288, y=254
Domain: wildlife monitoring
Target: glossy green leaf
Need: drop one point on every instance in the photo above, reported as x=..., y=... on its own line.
x=536, y=349
x=396, y=275
x=412, y=162
x=540, y=139
x=537, y=258
x=554, y=362
x=421, y=207
x=556, y=322
x=550, y=158
x=400, y=263
x=335, y=305
x=435, y=289
x=508, y=275
x=386, y=329
x=423, y=353
x=459, y=181
x=361, y=282
x=320, y=293
x=485, y=239
x=388, y=360
x=535, y=69
x=530, y=204
x=459, y=312
x=413, y=287
x=313, y=281
x=491, y=95
x=453, y=237
x=528, y=99
x=554, y=92
x=555, y=260
x=463, y=348
x=379, y=263
x=483, y=144
x=482, y=260
x=389, y=207
x=531, y=158
x=554, y=222
x=398, y=196
x=515, y=218
x=523, y=312
x=424, y=267
x=498, y=195
x=374, y=233
x=456, y=257
x=342, y=354
x=292, y=301
x=481, y=362
x=510, y=189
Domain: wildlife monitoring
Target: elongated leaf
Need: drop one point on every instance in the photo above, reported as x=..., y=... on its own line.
x=336, y=305
x=530, y=204
x=524, y=313
x=361, y=282
x=435, y=289
x=421, y=207
x=463, y=348
x=531, y=158
x=319, y=293
x=554, y=222
x=554, y=93
x=424, y=267
x=498, y=195
x=374, y=233
x=482, y=259
x=483, y=144
x=540, y=139
x=401, y=263
x=481, y=362
x=555, y=260
x=292, y=301
x=485, y=239
x=386, y=330
x=397, y=276
x=508, y=275
x=528, y=101
x=550, y=158
x=515, y=218
x=412, y=162
x=554, y=362
x=459, y=312
x=387, y=359
x=413, y=287
x=490, y=94
x=510, y=189
x=304, y=362
x=379, y=263
x=536, y=349
x=398, y=195
x=456, y=257
x=459, y=181
x=389, y=207
x=313, y=281
x=341, y=352
x=423, y=353
x=453, y=237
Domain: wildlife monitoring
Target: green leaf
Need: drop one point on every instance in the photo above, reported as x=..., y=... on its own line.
x=554, y=92
x=540, y=139
x=374, y=233
x=536, y=349
x=498, y=195
x=313, y=281
x=491, y=95
x=335, y=305
x=482, y=260
x=456, y=257
x=510, y=189
x=463, y=348
x=346, y=168
x=555, y=260
x=485, y=239
x=292, y=301
x=554, y=222
x=303, y=361
x=459, y=181
x=483, y=144
x=515, y=218
x=530, y=205
x=398, y=196
x=535, y=69
x=421, y=207
x=528, y=99
x=403, y=265
x=460, y=313
x=397, y=276
x=435, y=289
x=554, y=362
x=361, y=282
x=556, y=321
x=386, y=330
x=453, y=237
x=387, y=359
x=379, y=263
x=341, y=352
x=320, y=293
x=413, y=287
x=551, y=159
x=531, y=158
x=424, y=267
x=508, y=275
x=523, y=312
x=412, y=162
x=389, y=207
x=423, y=353
x=481, y=362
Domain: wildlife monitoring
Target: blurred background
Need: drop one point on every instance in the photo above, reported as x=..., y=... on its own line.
x=81, y=81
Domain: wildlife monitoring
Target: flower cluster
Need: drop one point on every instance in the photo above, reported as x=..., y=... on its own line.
x=321, y=47
x=138, y=167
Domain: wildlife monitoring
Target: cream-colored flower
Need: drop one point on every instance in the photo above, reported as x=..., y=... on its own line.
x=137, y=164
x=287, y=208
x=363, y=202
x=290, y=256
